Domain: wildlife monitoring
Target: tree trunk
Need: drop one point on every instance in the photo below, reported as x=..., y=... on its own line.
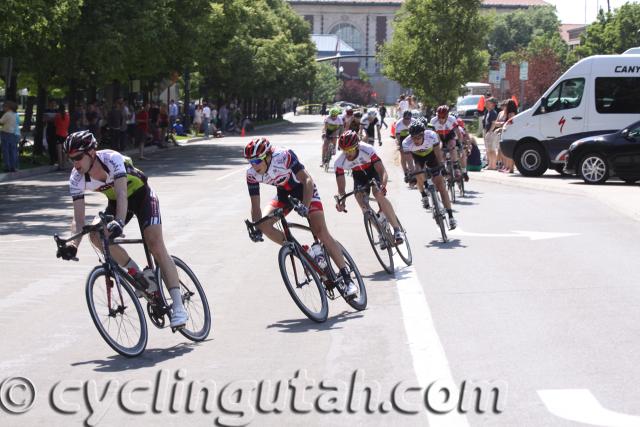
x=73, y=96
x=92, y=94
x=187, y=99
x=38, y=145
x=12, y=89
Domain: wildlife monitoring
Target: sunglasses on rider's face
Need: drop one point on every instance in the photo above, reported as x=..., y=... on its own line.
x=351, y=149
x=77, y=157
x=258, y=160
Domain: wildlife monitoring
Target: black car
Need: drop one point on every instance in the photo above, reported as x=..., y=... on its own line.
x=598, y=158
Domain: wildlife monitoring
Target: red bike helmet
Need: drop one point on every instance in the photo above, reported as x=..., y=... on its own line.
x=257, y=147
x=443, y=111
x=348, y=139
x=460, y=122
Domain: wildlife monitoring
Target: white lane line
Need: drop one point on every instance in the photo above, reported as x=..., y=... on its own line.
x=580, y=405
x=27, y=240
x=429, y=360
x=220, y=178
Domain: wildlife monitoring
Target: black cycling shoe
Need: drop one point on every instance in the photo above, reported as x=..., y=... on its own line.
x=465, y=176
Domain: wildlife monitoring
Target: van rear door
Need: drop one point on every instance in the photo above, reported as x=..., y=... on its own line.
x=562, y=115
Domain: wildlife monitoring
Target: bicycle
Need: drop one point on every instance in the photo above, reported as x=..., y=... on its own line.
x=452, y=180
x=114, y=306
x=331, y=150
x=170, y=137
x=437, y=208
x=376, y=222
x=309, y=283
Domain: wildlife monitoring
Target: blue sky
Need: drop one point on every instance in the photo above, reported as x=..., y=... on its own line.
x=573, y=11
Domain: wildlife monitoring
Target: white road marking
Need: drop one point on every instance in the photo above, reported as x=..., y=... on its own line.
x=581, y=406
x=429, y=360
x=33, y=239
x=220, y=178
x=531, y=235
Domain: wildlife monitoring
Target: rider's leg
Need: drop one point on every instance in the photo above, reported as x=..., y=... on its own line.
x=268, y=228
x=442, y=189
x=387, y=208
x=325, y=146
x=319, y=229
x=117, y=252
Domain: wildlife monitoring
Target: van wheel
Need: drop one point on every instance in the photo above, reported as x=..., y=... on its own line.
x=593, y=168
x=531, y=159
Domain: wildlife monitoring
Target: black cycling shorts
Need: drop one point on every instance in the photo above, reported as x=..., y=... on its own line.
x=144, y=204
x=362, y=178
x=430, y=160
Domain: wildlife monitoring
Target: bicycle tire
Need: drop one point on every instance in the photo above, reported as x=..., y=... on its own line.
x=320, y=314
x=451, y=182
x=372, y=226
x=439, y=215
x=196, y=307
x=359, y=303
x=134, y=349
x=461, y=187
x=408, y=257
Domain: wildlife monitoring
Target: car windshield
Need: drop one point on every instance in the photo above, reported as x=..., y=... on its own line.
x=469, y=100
x=634, y=131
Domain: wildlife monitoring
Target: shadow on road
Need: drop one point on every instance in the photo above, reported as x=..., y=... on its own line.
x=151, y=357
x=302, y=325
x=451, y=244
x=379, y=276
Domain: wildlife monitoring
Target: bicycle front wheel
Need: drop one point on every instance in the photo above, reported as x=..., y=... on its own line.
x=359, y=302
x=439, y=216
x=194, y=300
x=116, y=312
x=404, y=249
x=377, y=240
x=304, y=284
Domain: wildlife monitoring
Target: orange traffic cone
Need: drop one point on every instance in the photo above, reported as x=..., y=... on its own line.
x=513, y=97
x=480, y=106
x=242, y=132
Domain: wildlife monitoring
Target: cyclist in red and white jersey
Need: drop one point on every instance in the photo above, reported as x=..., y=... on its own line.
x=365, y=165
x=333, y=125
x=281, y=168
x=446, y=126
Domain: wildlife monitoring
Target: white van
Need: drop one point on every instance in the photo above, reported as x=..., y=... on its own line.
x=473, y=88
x=597, y=95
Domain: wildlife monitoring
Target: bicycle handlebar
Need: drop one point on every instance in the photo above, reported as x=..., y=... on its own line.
x=427, y=171
x=359, y=189
x=104, y=219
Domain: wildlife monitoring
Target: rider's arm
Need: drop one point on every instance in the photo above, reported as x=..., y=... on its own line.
x=78, y=219
x=382, y=172
x=255, y=208
x=342, y=183
x=438, y=152
x=122, y=202
x=307, y=183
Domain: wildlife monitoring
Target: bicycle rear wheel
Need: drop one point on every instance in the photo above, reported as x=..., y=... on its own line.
x=116, y=312
x=194, y=300
x=404, y=249
x=377, y=239
x=304, y=284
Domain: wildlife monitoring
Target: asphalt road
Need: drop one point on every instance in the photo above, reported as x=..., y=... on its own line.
x=535, y=295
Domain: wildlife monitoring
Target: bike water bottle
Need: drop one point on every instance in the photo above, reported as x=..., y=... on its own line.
x=138, y=276
x=383, y=219
x=150, y=278
x=318, y=255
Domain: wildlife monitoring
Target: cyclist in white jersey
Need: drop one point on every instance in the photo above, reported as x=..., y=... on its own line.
x=446, y=126
x=370, y=123
x=402, y=131
x=126, y=188
x=282, y=169
x=333, y=126
x=424, y=145
x=365, y=165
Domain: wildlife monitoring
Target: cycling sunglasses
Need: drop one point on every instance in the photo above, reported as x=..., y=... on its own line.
x=350, y=149
x=77, y=157
x=258, y=160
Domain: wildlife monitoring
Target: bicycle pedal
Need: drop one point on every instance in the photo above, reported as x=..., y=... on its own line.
x=175, y=329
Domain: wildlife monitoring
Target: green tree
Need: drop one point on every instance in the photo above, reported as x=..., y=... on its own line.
x=612, y=33
x=326, y=84
x=428, y=56
x=513, y=31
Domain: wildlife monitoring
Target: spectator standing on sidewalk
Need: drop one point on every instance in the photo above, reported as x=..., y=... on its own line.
x=50, y=132
x=489, y=134
x=173, y=112
x=509, y=110
x=206, y=119
x=214, y=120
x=382, y=110
x=8, y=136
x=197, y=120
x=62, y=131
x=223, y=114
x=295, y=107
x=164, y=125
x=142, y=129
x=130, y=117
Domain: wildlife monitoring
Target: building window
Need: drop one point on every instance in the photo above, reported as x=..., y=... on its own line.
x=309, y=19
x=350, y=35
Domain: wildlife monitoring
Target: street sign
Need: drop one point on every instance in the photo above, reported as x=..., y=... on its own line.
x=524, y=71
x=494, y=77
x=503, y=70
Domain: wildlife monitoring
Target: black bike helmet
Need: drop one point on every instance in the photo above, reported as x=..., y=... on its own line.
x=416, y=127
x=79, y=142
x=406, y=114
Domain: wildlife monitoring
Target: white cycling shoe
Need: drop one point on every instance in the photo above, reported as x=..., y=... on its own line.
x=179, y=317
x=350, y=289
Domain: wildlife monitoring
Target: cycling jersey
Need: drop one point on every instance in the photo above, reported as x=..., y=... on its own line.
x=369, y=125
x=446, y=131
x=332, y=125
x=116, y=166
x=402, y=130
x=430, y=140
x=282, y=173
x=365, y=159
